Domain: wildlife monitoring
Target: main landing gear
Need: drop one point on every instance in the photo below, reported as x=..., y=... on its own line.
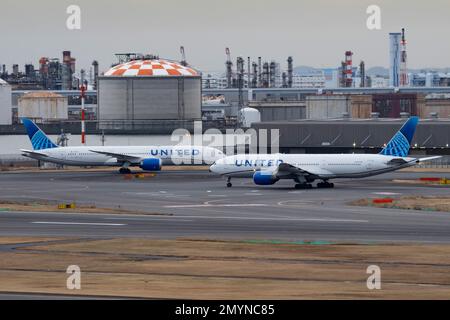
x=124, y=170
x=229, y=185
x=303, y=186
x=325, y=184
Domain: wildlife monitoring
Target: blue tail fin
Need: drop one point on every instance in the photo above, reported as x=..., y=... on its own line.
x=401, y=141
x=37, y=137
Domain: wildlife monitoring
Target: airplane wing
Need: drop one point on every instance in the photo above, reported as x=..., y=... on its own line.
x=286, y=170
x=119, y=156
x=397, y=161
x=27, y=153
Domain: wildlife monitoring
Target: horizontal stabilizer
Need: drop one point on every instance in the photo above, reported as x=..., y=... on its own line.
x=32, y=153
x=428, y=158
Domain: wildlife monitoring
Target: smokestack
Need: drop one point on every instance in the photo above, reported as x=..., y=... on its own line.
x=15, y=70
x=83, y=126
x=67, y=66
x=343, y=74
x=265, y=75
x=284, y=80
x=348, y=69
x=95, y=65
x=255, y=75
x=248, y=72
x=272, y=74
x=260, y=81
x=229, y=67
x=240, y=79
x=290, y=72
x=403, y=60
x=362, y=73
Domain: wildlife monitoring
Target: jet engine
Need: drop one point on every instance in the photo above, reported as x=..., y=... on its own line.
x=151, y=164
x=264, y=178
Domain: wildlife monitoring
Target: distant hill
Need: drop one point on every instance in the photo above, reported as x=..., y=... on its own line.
x=373, y=71
x=305, y=70
x=378, y=71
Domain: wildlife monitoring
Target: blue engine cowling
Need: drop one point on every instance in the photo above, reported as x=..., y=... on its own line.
x=264, y=178
x=152, y=164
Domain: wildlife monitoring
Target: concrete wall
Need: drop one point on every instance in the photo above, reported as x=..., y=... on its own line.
x=43, y=108
x=361, y=106
x=279, y=110
x=439, y=105
x=5, y=104
x=327, y=106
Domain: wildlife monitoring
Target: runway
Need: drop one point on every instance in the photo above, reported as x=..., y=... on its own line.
x=197, y=204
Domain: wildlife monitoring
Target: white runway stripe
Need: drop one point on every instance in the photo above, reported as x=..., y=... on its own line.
x=217, y=205
x=79, y=223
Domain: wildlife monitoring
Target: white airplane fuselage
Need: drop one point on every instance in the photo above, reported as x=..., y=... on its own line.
x=90, y=156
x=322, y=166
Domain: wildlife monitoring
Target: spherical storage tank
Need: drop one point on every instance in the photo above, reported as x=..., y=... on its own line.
x=248, y=116
x=149, y=89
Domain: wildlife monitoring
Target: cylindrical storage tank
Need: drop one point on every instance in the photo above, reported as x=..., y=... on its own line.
x=149, y=89
x=5, y=103
x=248, y=116
x=43, y=105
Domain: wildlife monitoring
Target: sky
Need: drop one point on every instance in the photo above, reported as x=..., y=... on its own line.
x=314, y=32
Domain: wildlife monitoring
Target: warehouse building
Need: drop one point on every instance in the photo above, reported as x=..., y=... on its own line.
x=279, y=110
x=436, y=106
x=356, y=135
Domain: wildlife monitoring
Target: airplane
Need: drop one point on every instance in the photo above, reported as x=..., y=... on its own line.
x=267, y=169
x=148, y=158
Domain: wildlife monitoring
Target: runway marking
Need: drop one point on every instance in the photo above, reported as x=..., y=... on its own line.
x=79, y=223
x=296, y=203
x=206, y=205
x=282, y=219
x=148, y=219
x=386, y=193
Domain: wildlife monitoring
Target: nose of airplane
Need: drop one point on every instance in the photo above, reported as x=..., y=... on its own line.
x=212, y=168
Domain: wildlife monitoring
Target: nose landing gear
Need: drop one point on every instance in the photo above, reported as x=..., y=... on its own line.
x=229, y=185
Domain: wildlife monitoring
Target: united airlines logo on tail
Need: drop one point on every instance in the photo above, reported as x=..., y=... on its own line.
x=401, y=142
x=37, y=137
x=40, y=141
x=398, y=146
